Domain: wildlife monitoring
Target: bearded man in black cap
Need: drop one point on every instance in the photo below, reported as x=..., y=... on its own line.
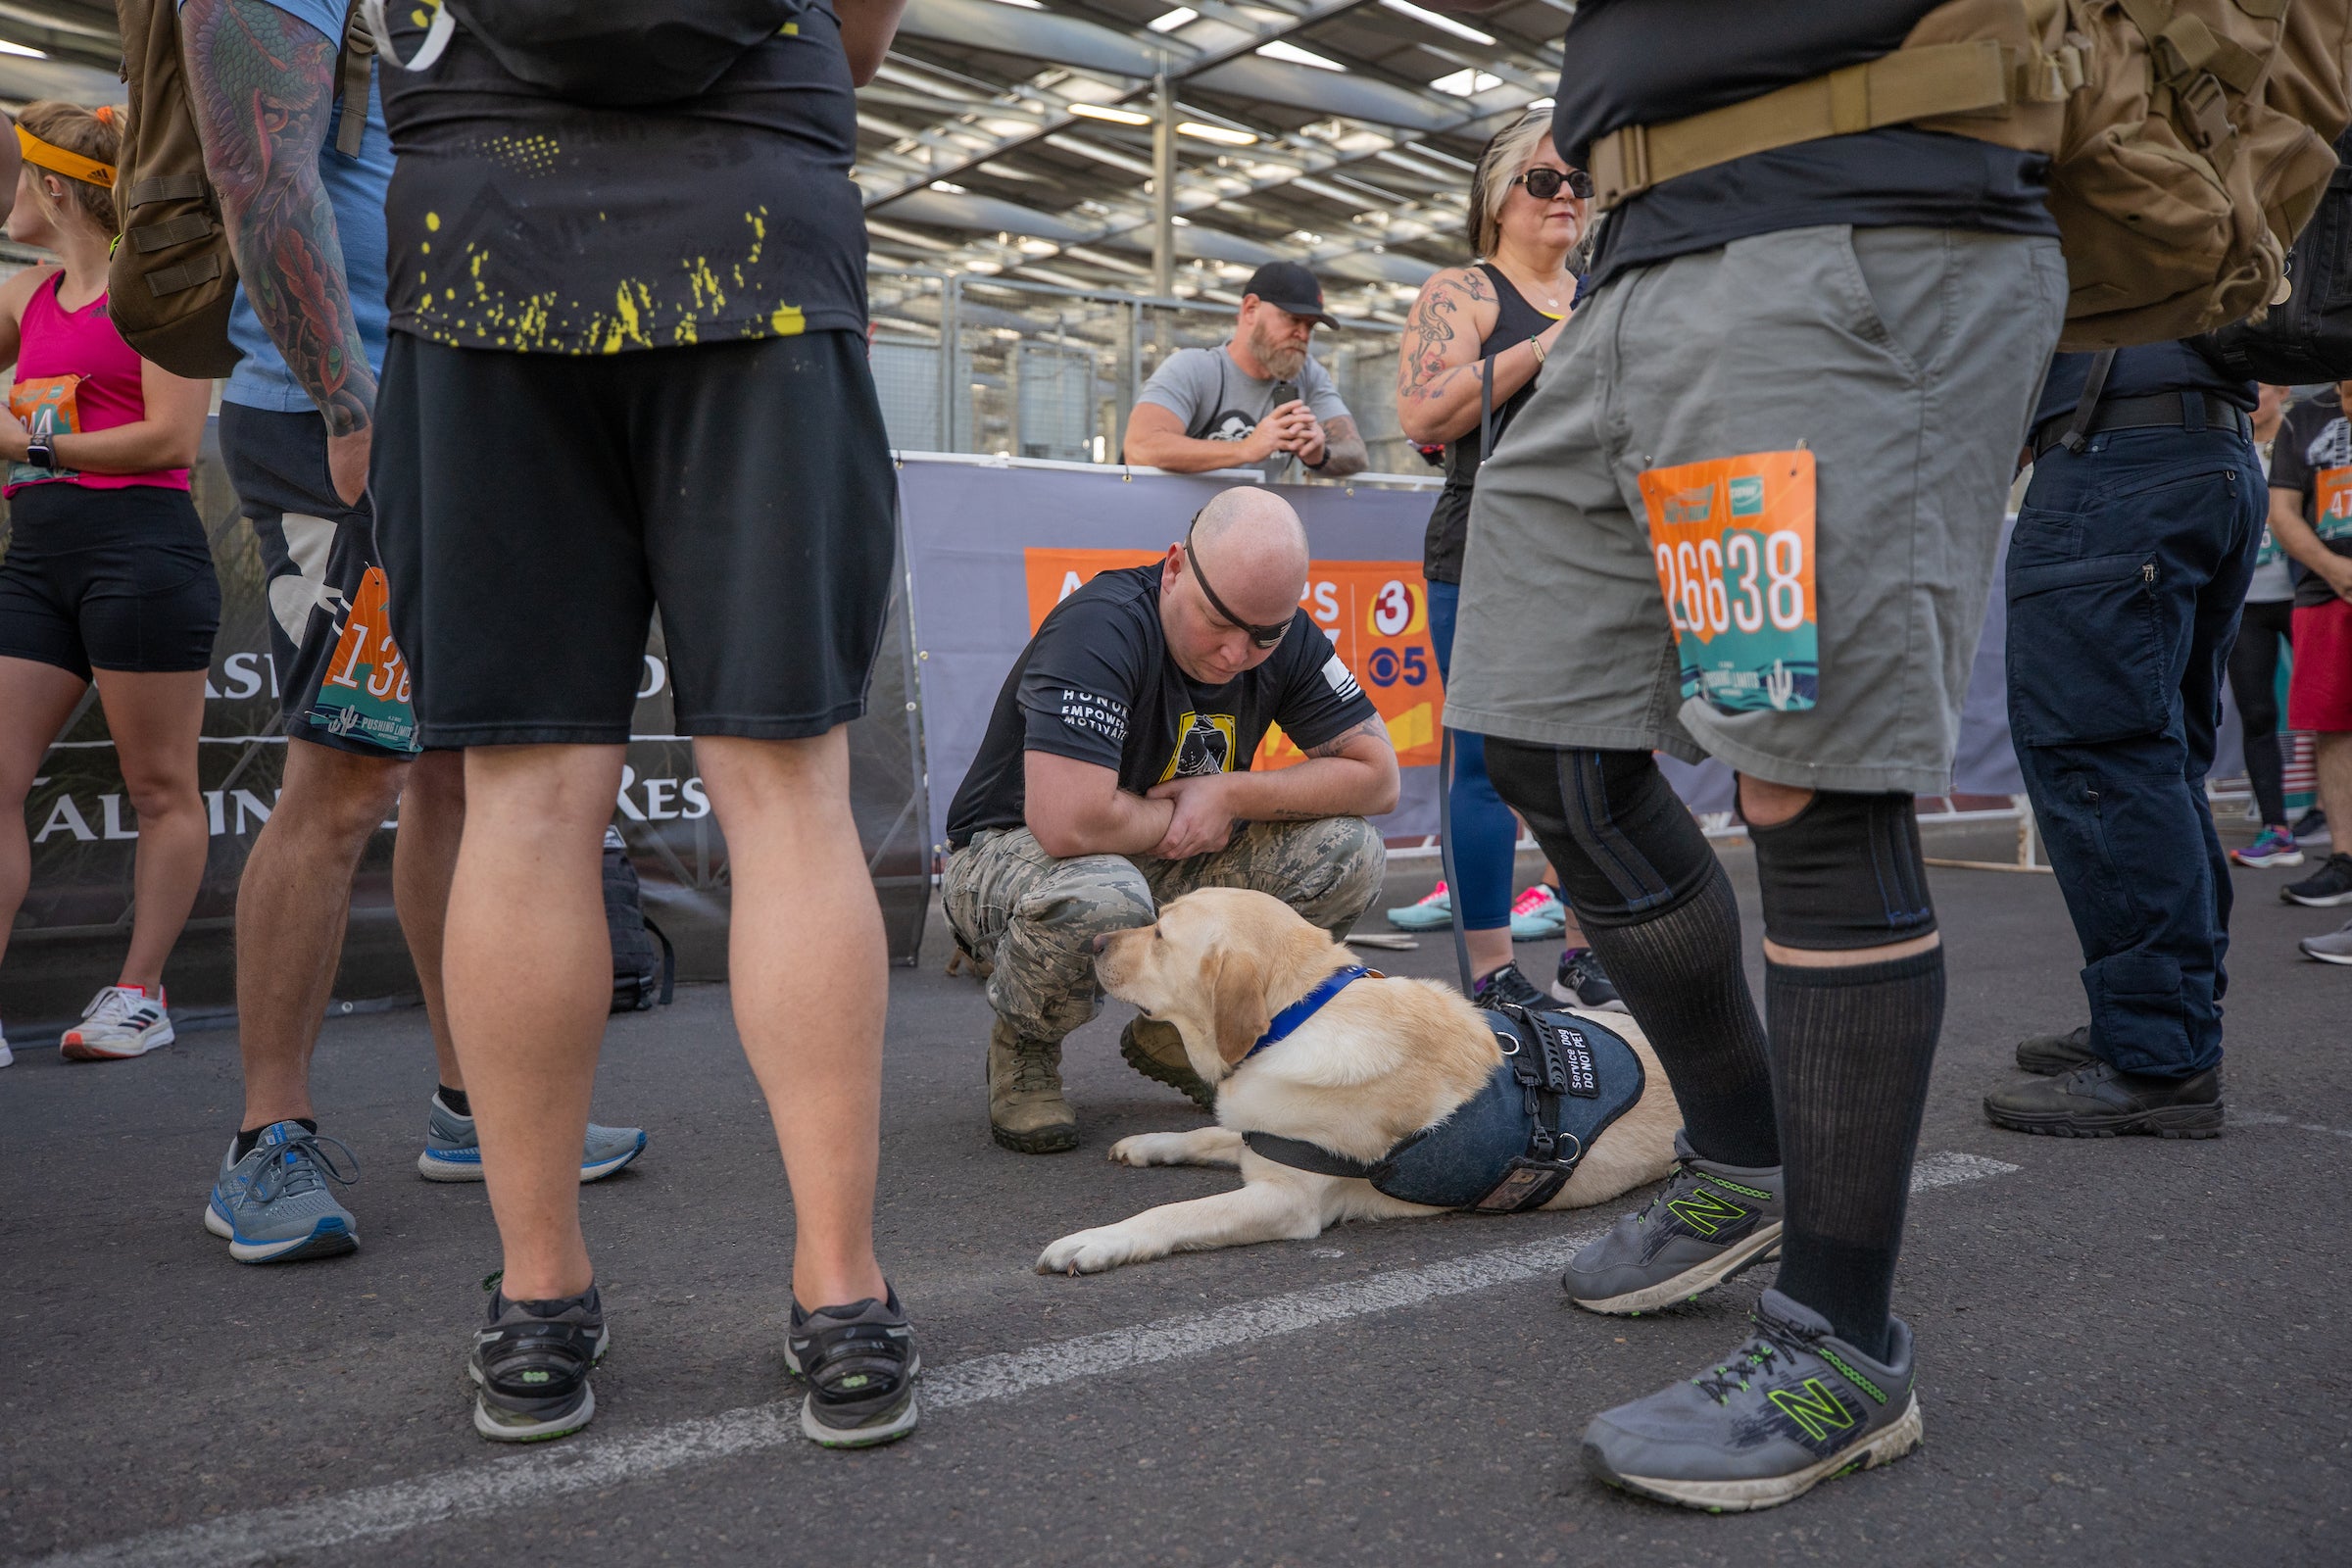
x=1259, y=398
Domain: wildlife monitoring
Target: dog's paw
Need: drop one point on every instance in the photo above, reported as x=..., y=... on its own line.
x=1086, y=1252
x=1149, y=1149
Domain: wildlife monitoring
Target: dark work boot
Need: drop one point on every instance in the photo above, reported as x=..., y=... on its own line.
x=1154, y=1047
x=2055, y=1054
x=2101, y=1101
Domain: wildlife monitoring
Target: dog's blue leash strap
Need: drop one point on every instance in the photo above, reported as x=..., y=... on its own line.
x=1305, y=1007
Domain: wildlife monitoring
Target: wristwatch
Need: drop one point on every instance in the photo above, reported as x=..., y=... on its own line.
x=42, y=455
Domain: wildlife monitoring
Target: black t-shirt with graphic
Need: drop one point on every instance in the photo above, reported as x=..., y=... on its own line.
x=1097, y=683
x=523, y=223
x=2314, y=440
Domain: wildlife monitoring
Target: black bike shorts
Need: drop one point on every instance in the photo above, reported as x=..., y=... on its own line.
x=112, y=579
x=535, y=509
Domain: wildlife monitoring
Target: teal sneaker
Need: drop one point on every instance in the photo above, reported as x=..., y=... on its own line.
x=1539, y=915
x=1434, y=912
x=452, y=1154
x=1793, y=1407
x=274, y=1206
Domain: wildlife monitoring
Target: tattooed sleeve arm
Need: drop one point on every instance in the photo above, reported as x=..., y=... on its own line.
x=1343, y=451
x=264, y=86
x=1437, y=373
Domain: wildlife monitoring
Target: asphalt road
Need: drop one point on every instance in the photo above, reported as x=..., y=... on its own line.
x=2128, y=1348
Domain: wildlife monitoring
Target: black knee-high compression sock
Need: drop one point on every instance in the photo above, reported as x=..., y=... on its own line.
x=1850, y=1052
x=1681, y=975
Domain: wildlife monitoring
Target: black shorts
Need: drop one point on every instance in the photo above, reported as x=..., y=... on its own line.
x=111, y=579
x=537, y=507
x=342, y=677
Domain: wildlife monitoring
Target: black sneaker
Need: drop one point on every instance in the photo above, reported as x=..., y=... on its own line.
x=1507, y=984
x=2048, y=1054
x=859, y=1362
x=2311, y=827
x=2326, y=887
x=1583, y=983
x=2100, y=1101
x=531, y=1367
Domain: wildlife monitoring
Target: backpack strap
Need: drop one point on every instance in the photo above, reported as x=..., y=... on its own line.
x=1946, y=78
x=2094, y=386
x=352, y=65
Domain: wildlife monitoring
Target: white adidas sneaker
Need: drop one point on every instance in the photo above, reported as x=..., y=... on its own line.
x=119, y=1023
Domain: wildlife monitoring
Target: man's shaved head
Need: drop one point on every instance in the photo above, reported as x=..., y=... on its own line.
x=1255, y=550
x=1249, y=547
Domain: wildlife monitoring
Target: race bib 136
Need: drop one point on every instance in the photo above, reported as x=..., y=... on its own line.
x=1731, y=539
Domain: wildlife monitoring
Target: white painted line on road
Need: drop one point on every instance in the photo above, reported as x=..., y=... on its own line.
x=373, y=1513
x=1950, y=1169
x=2269, y=1118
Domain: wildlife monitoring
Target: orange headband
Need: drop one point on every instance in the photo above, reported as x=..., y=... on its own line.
x=89, y=170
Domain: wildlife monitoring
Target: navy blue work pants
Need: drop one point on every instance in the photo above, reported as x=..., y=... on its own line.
x=2126, y=574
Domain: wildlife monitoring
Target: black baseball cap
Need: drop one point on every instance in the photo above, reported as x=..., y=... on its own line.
x=1288, y=286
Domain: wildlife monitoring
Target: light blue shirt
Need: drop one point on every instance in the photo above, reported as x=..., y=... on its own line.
x=355, y=187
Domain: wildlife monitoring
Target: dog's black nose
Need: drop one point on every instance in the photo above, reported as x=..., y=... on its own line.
x=1099, y=943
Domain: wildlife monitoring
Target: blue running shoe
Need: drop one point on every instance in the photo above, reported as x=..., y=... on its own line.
x=452, y=1154
x=274, y=1207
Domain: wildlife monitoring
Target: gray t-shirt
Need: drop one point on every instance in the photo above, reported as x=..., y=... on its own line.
x=1217, y=402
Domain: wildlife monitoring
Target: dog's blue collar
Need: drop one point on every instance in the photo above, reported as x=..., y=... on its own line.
x=1288, y=1019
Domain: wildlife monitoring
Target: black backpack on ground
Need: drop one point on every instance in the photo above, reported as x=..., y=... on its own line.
x=2309, y=338
x=642, y=974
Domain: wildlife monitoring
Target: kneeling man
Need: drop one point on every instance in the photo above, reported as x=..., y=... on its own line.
x=1115, y=772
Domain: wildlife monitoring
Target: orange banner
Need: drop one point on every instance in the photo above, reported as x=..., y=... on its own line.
x=1376, y=614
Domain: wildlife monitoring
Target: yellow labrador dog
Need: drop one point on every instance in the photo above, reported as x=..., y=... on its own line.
x=1381, y=1060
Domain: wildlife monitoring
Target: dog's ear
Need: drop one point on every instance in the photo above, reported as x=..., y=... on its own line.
x=1237, y=983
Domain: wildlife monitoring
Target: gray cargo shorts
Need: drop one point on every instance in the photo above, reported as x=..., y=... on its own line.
x=1036, y=917
x=1906, y=360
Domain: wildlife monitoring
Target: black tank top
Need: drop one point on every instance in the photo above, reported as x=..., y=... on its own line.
x=1515, y=321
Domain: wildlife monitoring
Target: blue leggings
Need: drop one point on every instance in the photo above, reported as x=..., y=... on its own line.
x=1486, y=836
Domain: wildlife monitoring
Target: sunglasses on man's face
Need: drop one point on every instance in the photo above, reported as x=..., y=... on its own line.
x=1544, y=183
x=1259, y=636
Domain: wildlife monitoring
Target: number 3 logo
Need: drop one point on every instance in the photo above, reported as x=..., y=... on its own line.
x=1399, y=609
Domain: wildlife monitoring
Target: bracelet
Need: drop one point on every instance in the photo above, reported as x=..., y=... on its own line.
x=1541, y=353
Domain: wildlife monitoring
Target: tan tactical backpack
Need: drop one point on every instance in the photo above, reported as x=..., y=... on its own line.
x=2189, y=140
x=174, y=278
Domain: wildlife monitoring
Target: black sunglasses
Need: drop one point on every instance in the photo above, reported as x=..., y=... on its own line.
x=1259, y=636
x=1544, y=183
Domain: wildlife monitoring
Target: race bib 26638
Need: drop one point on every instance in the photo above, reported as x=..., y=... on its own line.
x=1731, y=539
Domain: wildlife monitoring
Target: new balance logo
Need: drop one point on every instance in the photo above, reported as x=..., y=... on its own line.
x=1705, y=1212
x=1816, y=1409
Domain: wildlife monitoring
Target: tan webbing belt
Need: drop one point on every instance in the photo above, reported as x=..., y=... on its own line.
x=1945, y=79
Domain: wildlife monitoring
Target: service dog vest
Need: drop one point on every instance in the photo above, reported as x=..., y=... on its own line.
x=1513, y=1144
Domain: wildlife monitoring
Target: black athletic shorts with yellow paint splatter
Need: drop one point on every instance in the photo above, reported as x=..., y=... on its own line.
x=535, y=509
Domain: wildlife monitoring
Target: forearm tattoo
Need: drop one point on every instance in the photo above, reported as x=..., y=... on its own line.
x=1348, y=737
x=264, y=86
x=1422, y=374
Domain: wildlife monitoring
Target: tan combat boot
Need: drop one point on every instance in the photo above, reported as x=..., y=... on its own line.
x=1026, y=1111
x=1154, y=1047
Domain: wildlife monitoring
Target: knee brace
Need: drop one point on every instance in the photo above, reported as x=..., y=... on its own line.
x=1845, y=872
x=1624, y=844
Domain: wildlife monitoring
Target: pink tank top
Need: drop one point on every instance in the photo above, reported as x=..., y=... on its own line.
x=75, y=373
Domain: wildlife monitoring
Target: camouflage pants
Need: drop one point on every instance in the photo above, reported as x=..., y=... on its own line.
x=1036, y=917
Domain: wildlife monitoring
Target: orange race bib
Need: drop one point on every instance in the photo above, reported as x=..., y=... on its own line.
x=47, y=406
x=2332, y=511
x=1731, y=541
x=365, y=689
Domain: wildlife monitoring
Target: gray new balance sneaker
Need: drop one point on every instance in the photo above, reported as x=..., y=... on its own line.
x=1791, y=1408
x=274, y=1207
x=1709, y=1223
x=2333, y=948
x=454, y=1153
